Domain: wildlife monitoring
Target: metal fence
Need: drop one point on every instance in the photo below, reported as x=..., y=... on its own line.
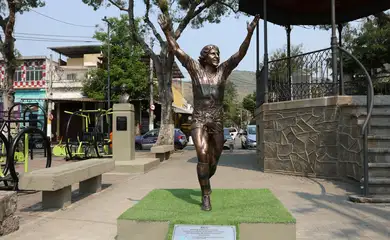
x=307, y=75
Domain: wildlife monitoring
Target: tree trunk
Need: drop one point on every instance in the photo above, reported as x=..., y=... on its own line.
x=164, y=77
x=9, y=57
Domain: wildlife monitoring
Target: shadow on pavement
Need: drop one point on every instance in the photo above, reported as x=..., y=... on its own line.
x=365, y=217
x=237, y=159
x=37, y=207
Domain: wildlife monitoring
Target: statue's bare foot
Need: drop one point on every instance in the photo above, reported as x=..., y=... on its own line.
x=206, y=205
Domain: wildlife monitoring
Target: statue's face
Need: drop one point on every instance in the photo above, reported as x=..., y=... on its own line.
x=213, y=57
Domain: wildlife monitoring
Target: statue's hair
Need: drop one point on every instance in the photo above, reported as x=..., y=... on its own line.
x=205, y=51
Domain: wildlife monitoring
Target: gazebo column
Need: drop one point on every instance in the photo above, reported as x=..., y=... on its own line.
x=265, y=51
x=289, y=70
x=334, y=46
x=342, y=91
x=259, y=86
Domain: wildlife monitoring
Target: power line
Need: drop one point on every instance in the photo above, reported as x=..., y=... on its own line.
x=50, y=35
x=72, y=24
x=54, y=40
x=48, y=39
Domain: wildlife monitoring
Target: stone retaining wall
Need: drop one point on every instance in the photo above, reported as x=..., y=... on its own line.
x=9, y=222
x=315, y=137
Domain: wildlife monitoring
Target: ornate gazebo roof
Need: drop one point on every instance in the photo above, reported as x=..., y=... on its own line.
x=313, y=12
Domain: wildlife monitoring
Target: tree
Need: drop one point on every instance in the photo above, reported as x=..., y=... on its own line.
x=249, y=103
x=370, y=43
x=182, y=13
x=125, y=64
x=231, y=108
x=8, y=10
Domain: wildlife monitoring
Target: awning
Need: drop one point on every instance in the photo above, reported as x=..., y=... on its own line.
x=313, y=12
x=177, y=109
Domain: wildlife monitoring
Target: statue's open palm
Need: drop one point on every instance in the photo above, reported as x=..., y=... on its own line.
x=253, y=24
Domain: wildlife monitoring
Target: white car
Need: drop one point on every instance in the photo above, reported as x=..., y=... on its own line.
x=233, y=132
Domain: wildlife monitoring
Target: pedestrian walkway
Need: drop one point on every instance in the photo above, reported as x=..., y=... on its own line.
x=320, y=206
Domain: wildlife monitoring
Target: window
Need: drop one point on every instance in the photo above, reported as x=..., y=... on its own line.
x=33, y=73
x=252, y=130
x=72, y=76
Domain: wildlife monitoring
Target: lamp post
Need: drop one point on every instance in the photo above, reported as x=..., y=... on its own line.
x=108, y=69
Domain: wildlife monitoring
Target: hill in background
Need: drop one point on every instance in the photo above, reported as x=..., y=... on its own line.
x=245, y=82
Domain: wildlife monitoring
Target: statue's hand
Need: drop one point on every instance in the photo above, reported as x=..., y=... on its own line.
x=253, y=24
x=164, y=22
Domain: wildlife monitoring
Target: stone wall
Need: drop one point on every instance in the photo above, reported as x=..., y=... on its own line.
x=315, y=137
x=9, y=222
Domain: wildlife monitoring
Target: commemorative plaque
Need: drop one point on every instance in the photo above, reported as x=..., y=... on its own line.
x=204, y=232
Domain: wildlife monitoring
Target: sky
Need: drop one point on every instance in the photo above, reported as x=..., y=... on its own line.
x=228, y=34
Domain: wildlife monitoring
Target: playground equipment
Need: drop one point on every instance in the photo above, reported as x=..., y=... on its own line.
x=13, y=151
x=91, y=141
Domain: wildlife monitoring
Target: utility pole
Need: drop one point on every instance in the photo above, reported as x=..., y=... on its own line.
x=108, y=70
x=151, y=103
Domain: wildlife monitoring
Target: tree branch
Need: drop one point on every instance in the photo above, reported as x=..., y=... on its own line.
x=136, y=36
x=191, y=14
x=118, y=6
x=228, y=6
x=151, y=25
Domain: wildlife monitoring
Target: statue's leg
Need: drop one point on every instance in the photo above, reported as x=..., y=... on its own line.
x=216, y=144
x=200, y=138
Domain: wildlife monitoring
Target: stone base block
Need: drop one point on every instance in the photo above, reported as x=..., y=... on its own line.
x=91, y=185
x=370, y=199
x=9, y=222
x=141, y=230
x=276, y=231
x=135, y=230
x=139, y=165
x=163, y=156
x=57, y=199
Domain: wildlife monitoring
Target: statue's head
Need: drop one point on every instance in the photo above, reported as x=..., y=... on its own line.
x=209, y=56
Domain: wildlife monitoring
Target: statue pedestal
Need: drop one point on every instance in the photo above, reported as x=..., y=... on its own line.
x=256, y=213
x=123, y=139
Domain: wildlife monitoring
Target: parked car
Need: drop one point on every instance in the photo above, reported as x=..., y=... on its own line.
x=249, y=138
x=228, y=139
x=147, y=140
x=233, y=132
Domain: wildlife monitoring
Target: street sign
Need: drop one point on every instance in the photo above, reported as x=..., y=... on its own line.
x=152, y=107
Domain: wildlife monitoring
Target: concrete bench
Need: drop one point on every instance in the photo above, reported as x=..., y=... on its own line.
x=163, y=152
x=56, y=182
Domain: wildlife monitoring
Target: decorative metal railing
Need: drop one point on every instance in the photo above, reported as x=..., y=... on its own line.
x=303, y=76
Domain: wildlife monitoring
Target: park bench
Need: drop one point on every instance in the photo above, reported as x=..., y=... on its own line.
x=163, y=152
x=56, y=182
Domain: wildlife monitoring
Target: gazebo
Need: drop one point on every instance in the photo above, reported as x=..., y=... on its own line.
x=307, y=124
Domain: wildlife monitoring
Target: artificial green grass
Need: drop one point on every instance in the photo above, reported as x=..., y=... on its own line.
x=229, y=207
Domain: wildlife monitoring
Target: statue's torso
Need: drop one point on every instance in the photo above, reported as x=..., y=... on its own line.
x=208, y=92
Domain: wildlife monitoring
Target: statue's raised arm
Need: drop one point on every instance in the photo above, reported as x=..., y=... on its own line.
x=166, y=25
x=234, y=60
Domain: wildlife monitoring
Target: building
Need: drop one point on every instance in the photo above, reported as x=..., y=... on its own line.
x=30, y=80
x=68, y=74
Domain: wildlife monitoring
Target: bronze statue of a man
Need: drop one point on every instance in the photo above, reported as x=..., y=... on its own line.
x=208, y=81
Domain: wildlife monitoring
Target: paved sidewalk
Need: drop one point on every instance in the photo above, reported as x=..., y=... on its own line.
x=319, y=206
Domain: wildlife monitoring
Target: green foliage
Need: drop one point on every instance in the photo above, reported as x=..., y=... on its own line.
x=231, y=104
x=125, y=64
x=249, y=103
x=278, y=68
x=370, y=43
